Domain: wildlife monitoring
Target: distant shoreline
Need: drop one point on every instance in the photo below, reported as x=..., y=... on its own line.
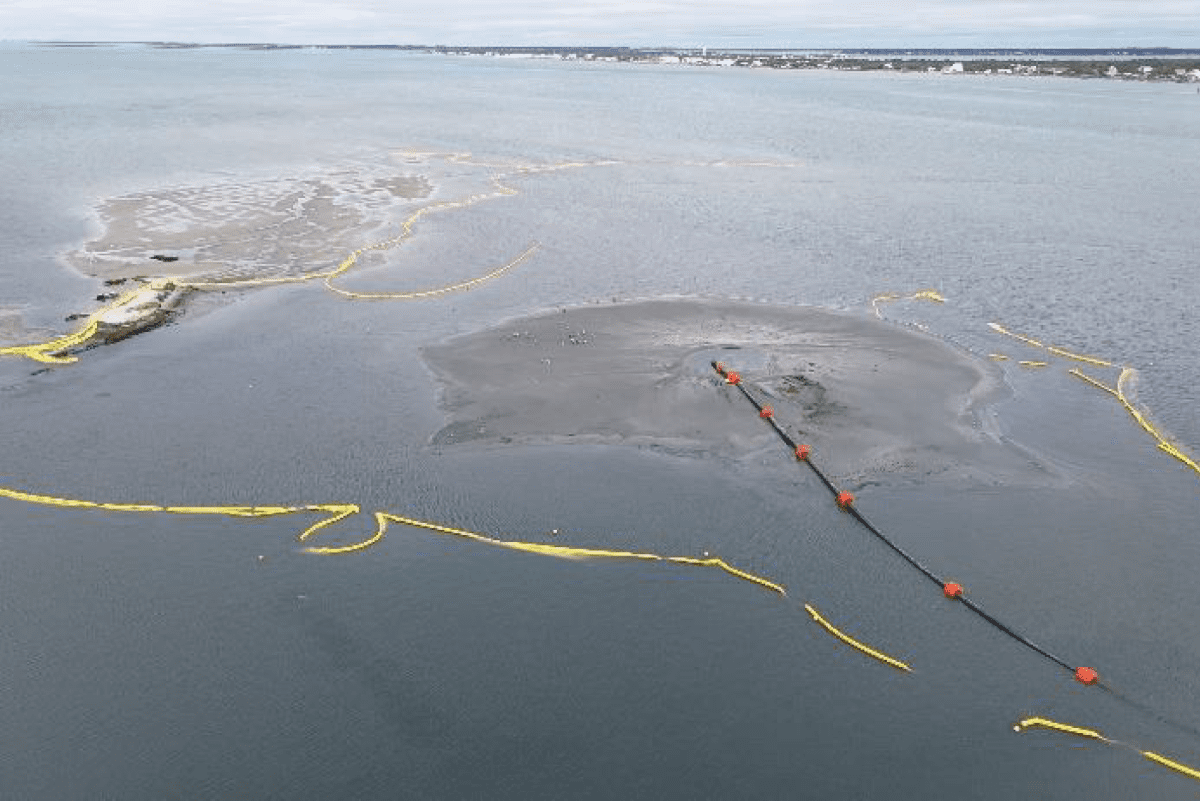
x=1179, y=65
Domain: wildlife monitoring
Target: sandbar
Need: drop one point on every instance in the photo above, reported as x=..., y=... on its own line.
x=874, y=399
x=232, y=231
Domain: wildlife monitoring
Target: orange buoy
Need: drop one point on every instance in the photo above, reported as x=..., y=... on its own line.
x=766, y=412
x=802, y=452
x=952, y=590
x=845, y=500
x=1086, y=675
x=733, y=378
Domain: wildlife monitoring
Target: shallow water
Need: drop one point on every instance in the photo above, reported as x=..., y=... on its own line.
x=156, y=654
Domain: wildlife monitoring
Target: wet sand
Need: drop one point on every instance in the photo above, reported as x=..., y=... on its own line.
x=223, y=233
x=245, y=230
x=874, y=400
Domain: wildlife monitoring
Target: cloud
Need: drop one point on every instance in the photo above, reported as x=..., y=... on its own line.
x=746, y=23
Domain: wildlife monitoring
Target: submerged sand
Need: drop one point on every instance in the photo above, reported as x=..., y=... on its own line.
x=873, y=398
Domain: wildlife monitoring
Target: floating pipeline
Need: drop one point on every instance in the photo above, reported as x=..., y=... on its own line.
x=335, y=513
x=57, y=351
x=846, y=501
x=1093, y=734
x=803, y=453
x=952, y=590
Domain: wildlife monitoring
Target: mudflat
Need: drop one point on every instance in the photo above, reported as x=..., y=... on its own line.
x=874, y=399
x=244, y=230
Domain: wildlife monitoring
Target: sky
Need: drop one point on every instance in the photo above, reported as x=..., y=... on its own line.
x=634, y=23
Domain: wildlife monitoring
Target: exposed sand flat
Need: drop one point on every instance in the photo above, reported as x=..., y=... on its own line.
x=255, y=229
x=872, y=398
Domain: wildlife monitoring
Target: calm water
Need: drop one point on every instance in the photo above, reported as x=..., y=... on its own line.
x=150, y=656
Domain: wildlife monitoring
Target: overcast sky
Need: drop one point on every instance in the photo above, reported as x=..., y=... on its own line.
x=682, y=23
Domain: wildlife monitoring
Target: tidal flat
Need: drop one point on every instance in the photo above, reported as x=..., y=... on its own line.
x=873, y=398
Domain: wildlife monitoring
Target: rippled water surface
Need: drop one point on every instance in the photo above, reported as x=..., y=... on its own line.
x=150, y=655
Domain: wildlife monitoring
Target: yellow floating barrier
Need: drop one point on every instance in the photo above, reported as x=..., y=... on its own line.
x=567, y=552
x=132, y=507
x=335, y=512
x=1075, y=371
x=1079, y=357
x=1126, y=375
x=1078, y=731
x=341, y=513
x=1046, y=723
x=733, y=571
x=1172, y=764
x=925, y=294
x=428, y=293
x=853, y=643
x=1057, y=351
x=1119, y=392
x=1027, y=340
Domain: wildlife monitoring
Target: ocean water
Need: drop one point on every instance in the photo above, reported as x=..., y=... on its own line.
x=153, y=655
